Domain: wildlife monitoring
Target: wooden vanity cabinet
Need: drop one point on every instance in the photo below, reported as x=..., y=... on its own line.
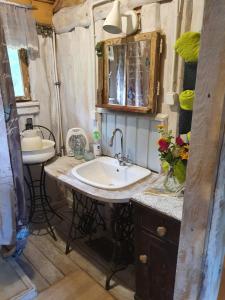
x=156, y=247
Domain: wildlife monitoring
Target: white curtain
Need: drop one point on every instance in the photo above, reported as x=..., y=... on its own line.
x=43, y=88
x=19, y=28
x=75, y=69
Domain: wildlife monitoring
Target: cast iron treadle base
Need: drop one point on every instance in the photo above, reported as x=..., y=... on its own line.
x=122, y=227
x=86, y=218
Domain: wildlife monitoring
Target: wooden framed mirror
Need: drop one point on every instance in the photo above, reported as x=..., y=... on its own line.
x=130, y=71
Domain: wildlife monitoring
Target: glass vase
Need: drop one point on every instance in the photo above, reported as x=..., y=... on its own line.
x=171, y=183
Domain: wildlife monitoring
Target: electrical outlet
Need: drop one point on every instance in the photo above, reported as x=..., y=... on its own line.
x=93, y=115
x=171, y=98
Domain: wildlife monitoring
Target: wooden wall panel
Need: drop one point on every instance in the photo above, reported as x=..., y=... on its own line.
x=120, y=123
x=111, y=125
x=140, y=138
x=104, y=133
x=153, y=158
x=143, y=125
x=131, y=136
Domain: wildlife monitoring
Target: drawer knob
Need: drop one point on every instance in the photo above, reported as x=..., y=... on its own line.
x=161, y=231
x=143, y=258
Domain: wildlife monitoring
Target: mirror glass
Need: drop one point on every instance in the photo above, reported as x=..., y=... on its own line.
x=16, y=72
x=138, y=73
x=117, y=74
x=129, y=73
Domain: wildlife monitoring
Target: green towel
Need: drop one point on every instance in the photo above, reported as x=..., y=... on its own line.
x=186, y=99
x=187, y=46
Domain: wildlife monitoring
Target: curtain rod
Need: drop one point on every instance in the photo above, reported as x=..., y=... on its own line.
x=16, y=4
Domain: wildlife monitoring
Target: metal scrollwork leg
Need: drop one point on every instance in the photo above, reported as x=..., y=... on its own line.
x=41, y=210
x=70, y=235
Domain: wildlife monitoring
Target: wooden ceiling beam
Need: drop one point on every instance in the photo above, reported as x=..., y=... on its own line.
x=59, y=4
x=43, y=11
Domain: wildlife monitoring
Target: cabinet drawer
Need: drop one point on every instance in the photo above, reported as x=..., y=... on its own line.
x=155, y=276
x=156, y=223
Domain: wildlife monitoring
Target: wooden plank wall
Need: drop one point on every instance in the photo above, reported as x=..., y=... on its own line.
x=140, y=138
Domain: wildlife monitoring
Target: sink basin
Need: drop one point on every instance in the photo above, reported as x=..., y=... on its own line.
x=41, y=155
x=106, y=173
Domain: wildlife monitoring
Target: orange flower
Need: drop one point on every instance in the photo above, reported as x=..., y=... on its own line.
x=184, y=154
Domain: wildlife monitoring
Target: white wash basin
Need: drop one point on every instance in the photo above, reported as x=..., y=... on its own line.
x=41, y=155
x=106, y=173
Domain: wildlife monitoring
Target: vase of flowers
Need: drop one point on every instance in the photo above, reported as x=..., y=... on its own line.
x=174, y=154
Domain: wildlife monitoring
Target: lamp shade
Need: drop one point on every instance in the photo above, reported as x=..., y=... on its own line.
x=112, y=23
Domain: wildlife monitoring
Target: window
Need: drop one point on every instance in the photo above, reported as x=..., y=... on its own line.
x=18, y=61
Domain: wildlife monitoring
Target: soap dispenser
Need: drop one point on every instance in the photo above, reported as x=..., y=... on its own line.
x=97, y=146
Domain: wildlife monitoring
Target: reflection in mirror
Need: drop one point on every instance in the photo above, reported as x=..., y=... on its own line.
x=117, y=74
x=16, y=72
x=138, y=76
x=129, y=73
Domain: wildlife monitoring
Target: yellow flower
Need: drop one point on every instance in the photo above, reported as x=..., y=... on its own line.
x=160, y=126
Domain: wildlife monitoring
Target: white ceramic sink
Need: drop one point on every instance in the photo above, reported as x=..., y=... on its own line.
x=106, y=173
x=41, y=155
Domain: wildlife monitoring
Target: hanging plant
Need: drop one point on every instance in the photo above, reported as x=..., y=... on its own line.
x=99, y=49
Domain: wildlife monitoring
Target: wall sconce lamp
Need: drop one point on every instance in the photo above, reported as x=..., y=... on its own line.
x=116, y=22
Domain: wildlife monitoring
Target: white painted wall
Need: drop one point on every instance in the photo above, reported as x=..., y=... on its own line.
x=75, y=65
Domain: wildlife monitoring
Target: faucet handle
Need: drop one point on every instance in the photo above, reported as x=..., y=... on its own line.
x=126, y=159
x=117, y=155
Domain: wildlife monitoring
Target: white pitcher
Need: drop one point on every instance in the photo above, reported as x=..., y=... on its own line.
x=30, y=140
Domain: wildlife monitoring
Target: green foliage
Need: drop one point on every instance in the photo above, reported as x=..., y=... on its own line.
x=180, y=171
x=173, y=154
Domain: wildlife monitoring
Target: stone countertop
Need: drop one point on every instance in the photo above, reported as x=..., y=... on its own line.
x=61, y=168
x=169, y=205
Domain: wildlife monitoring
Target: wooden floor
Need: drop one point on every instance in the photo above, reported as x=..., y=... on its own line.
x=77, y=285
x=79, y=275
x=74, y=276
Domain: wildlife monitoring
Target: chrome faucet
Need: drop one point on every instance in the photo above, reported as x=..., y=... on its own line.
x=122, y=159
